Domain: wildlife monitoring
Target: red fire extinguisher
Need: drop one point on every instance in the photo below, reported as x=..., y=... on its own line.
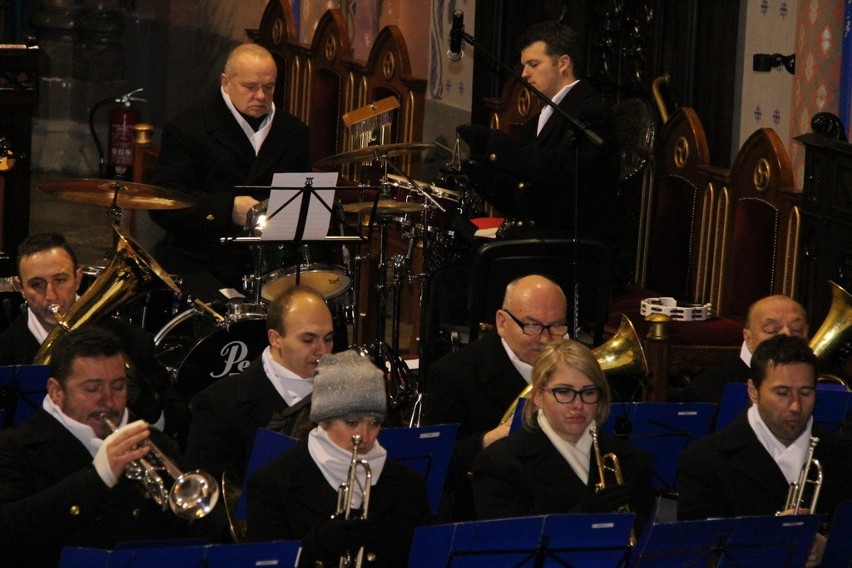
x=122, y=118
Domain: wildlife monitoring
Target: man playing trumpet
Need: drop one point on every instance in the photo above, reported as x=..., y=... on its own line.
x=62, y=477
x=747, y=467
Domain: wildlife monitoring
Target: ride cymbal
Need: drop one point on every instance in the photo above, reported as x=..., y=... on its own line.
x=102, y=192
x=381, y=152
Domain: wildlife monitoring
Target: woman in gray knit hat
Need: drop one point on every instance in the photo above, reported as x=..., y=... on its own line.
x=295, y=496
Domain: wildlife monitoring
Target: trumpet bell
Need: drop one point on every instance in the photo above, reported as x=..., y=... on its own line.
x=193, y=495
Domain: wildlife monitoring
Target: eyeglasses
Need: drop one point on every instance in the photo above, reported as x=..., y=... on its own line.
x=567, y=395
x=537, y=328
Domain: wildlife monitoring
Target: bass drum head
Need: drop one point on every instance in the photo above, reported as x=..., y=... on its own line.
x=199, y=350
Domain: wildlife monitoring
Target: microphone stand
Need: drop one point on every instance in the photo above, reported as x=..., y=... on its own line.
x=578, y=127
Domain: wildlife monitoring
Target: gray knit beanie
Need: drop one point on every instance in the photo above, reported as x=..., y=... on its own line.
x=347, y=386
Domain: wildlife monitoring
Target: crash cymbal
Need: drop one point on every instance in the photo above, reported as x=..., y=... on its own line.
x=131, y=195
x=383, y=207
x=381, y=152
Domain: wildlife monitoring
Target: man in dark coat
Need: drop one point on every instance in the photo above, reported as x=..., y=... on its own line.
x=62, y=480
x=765, y=318
x=532, y=177
x=233, y=136
x=274, y=391
x=49, y=275
x=475, y=386
x=747, y=467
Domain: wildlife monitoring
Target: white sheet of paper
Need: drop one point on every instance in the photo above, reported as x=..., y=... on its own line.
x=282, y=227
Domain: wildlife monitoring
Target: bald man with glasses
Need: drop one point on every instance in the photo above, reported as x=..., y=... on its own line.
x=474, y=386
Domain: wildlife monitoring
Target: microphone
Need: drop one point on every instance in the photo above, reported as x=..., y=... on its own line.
x=455, y=52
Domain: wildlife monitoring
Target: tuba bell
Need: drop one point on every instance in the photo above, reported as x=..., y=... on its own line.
x=621, y=354
x=130, y=273
x=837, y=325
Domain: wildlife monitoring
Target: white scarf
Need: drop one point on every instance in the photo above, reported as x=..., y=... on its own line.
x=790, y=459
x=82, y=432
x=35, y=327
x=577, y=455
x=524, y=369
x=547, y=111
x=255, y=137
x=289, y=385
x=333, y=461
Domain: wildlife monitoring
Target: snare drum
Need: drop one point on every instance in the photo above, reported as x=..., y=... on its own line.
x=402, y=190
x=198, y=349
x=320, y=265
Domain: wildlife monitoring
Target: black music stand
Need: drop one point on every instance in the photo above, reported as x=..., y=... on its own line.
x=427, y=450
x=26, y=385
x=741, y=541
x=552, y=540
x=663, y=429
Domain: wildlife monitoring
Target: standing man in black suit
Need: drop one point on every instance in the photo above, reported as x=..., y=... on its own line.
x=766, y=318
x=474, y=386
x=232, y=136
x=62, y=479
x=746, y=468
x=274, y=391
x=531, y=177
x=48, y=275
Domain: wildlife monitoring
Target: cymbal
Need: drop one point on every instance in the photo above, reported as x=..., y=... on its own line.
x=380, y=152
x=131, y=195
x=383, y=207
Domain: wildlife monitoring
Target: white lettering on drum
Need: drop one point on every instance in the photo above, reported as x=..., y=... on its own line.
x=234, y=355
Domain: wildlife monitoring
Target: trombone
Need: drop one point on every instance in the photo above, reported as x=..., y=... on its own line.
x=191, y=496
x=608, y=463
x=796, y=492
x=346, y=494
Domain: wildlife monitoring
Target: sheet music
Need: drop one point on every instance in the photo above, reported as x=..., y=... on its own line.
x=287, y=203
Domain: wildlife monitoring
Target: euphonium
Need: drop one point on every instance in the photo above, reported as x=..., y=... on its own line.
x=346, y=493
x=837, y=325
x=796, y=493
x=620, y=355
x=129, y=274
x=191, y=496
x=609, y=464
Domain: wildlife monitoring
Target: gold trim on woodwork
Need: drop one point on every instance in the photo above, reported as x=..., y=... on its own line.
x=388, y=65
x=681, y=152
x=524, y=103
x=331, y=48
x=762, y=175
x=278, y=31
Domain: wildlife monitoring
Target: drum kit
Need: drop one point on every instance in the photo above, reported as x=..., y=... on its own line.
x=199, y=344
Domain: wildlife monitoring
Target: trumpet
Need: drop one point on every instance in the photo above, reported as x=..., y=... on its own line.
x=608, y=463
x=346, y=493
x=192, y=495
x=796, y=493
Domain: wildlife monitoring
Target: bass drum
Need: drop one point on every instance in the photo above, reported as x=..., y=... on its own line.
x=198, y=349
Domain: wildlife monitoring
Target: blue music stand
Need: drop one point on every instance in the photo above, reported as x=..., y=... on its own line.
x=518, y=416
x=663, y=429
x=268, y=445
x=552, y=540
x=838, y=549
x=276, y=553
x=29, y=383
x=427, y=450
x=831, y=408
x=79, y=557
x=734, y=400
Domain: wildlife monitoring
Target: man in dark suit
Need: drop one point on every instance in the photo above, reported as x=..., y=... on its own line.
x=62, y=479
x=532, y=177
x=49, y=278
x=767, y=317
x=747, y=467
x=274, y=391
x=233, y=136
x=475, y=386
